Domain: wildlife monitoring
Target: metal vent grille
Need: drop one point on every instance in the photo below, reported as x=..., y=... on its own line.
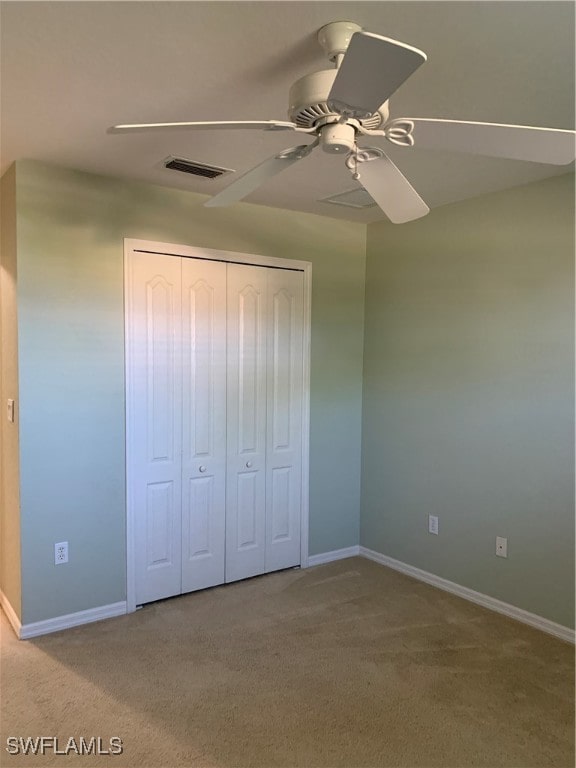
x=194, y=168
x=354, y=198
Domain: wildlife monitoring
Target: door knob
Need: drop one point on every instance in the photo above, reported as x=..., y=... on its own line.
x=248, y=464
x=202, y=468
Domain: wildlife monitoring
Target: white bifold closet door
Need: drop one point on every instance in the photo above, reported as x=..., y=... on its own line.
x=215, y=453
x=155, y=449
x=264, y=420
x=203, y=423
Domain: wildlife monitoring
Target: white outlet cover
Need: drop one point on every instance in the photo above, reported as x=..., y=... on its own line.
x=60, y=552
x=501, y=546
x=433, y=524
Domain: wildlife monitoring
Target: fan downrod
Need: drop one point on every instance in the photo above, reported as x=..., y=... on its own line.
x=335, y=38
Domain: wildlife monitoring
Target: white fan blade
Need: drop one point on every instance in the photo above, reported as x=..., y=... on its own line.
x=391, y=190
x=253, y=178
x=517, y=142
x=260, y=125
x=372, y=69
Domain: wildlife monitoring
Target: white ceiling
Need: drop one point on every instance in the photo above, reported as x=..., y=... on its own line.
x=69, y=70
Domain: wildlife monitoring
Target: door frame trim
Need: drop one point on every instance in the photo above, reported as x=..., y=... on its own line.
x=131, y=248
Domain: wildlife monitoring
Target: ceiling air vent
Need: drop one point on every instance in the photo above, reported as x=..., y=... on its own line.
x=194, y=168
x=354, y=198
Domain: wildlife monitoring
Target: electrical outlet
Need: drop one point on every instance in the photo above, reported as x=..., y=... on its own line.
x=501, y=546
x=433, y=524
x=60, y=552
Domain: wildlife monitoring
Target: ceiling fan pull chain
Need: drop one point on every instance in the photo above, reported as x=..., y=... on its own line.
x=356, y=175
x=352, y=163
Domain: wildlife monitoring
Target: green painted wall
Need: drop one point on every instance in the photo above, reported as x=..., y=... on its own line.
x=71, y=227
x=10, y=566
x=468, y=381
x=469, y=394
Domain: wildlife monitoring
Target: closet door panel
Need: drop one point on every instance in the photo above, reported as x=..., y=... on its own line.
x=284, y=425
x=154, y=472
x=246, y=490
x=203, y=423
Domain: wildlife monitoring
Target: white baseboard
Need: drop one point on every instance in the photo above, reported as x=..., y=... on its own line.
x=10, y=613
x=335, y=554
x=37, y=628
x=545, y=625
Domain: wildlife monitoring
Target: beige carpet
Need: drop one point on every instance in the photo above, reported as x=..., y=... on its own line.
x=346, y=664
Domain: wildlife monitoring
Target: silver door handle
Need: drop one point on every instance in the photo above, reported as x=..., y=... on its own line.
x=248, y=464
x=202, y=468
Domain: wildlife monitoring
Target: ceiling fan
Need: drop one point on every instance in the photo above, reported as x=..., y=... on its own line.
x=340, y=106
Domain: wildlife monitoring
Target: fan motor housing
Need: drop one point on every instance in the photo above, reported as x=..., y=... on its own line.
x=308, y=102
x=307, y=97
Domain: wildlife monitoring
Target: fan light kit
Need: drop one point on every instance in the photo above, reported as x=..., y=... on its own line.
x=346, y=104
